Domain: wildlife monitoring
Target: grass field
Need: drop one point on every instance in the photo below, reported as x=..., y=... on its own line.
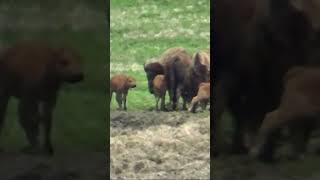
x=148, y=144
x=81, y=114
x=144, y=29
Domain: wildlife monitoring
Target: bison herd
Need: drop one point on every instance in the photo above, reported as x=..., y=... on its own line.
x=264, y=50
x=175, y=72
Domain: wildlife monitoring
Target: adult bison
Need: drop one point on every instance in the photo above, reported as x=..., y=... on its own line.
x=33, y=72
x=183, y=76
x=257, y=41
x=156, y=67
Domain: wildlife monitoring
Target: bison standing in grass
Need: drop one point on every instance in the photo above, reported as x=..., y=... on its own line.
x=157, y=66
x=33, y=72
x=183, y=77
x=298, y=110
x=120, y=84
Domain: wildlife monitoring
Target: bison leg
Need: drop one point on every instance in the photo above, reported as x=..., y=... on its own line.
x=157, y=102
x=110, y=96
x=204, y=105
x=268, y=134
x=238, y=144
x=193, y=105
x=46, y=116
x=300, y=137
x=163, y=100
x=119, y=100
x=29, y=120
x=125, y=100
x=222, y=93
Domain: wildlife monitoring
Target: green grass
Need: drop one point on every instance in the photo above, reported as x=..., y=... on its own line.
x=81, y=115
x=144, y=29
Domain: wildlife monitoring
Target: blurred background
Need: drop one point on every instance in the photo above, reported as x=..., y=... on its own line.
x=80, y=117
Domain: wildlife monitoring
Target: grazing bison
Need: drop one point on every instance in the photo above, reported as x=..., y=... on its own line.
x=183, y=77
x=298, y=110
x=157, y=65
x=120, y=84
x=159, y=90
x=256, y=43
x=33, y=72
x=203, y=97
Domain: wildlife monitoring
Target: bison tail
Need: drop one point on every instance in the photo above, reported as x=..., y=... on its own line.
x=173, y=83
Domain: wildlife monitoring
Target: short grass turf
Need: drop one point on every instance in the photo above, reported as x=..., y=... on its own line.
x=144, y=29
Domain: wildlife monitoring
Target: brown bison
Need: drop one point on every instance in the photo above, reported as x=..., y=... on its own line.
x=203, y=97
x=298, y=110
x=120, y=84
x=256, y=43
x=159, y=90
x=33, y=72
x=183, y=77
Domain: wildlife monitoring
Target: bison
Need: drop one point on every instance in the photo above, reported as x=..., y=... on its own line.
x=183, y=77
x=159, y=90
x=156, y=66
x=33, y=72
x=256, y=43
x=120, y=84
x=298, y=110
x=203, y=97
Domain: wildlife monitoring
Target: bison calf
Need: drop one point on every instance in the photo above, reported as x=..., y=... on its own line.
x=298, y=110
x=159, y=90
x=203, y=97
x=33, y=72
x=120, y=84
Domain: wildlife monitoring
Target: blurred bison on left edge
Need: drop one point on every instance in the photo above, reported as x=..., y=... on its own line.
x=33, y=72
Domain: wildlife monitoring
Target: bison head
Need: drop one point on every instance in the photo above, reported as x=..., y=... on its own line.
x=201, y=67
x=131, y=82
x=152, y=70
x=68, y=65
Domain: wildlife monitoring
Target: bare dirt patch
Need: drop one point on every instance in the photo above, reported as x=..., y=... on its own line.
x=159, y=145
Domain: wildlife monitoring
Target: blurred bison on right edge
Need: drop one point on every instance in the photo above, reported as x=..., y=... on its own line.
x=298, y=110
x=33, y=72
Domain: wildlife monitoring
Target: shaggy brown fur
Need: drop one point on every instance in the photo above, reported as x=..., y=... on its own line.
x=120, y=84
x=33, y=72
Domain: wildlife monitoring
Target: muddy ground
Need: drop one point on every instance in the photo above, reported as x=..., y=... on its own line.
x=71, y=166
x=159, y=145
x=242, y=167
